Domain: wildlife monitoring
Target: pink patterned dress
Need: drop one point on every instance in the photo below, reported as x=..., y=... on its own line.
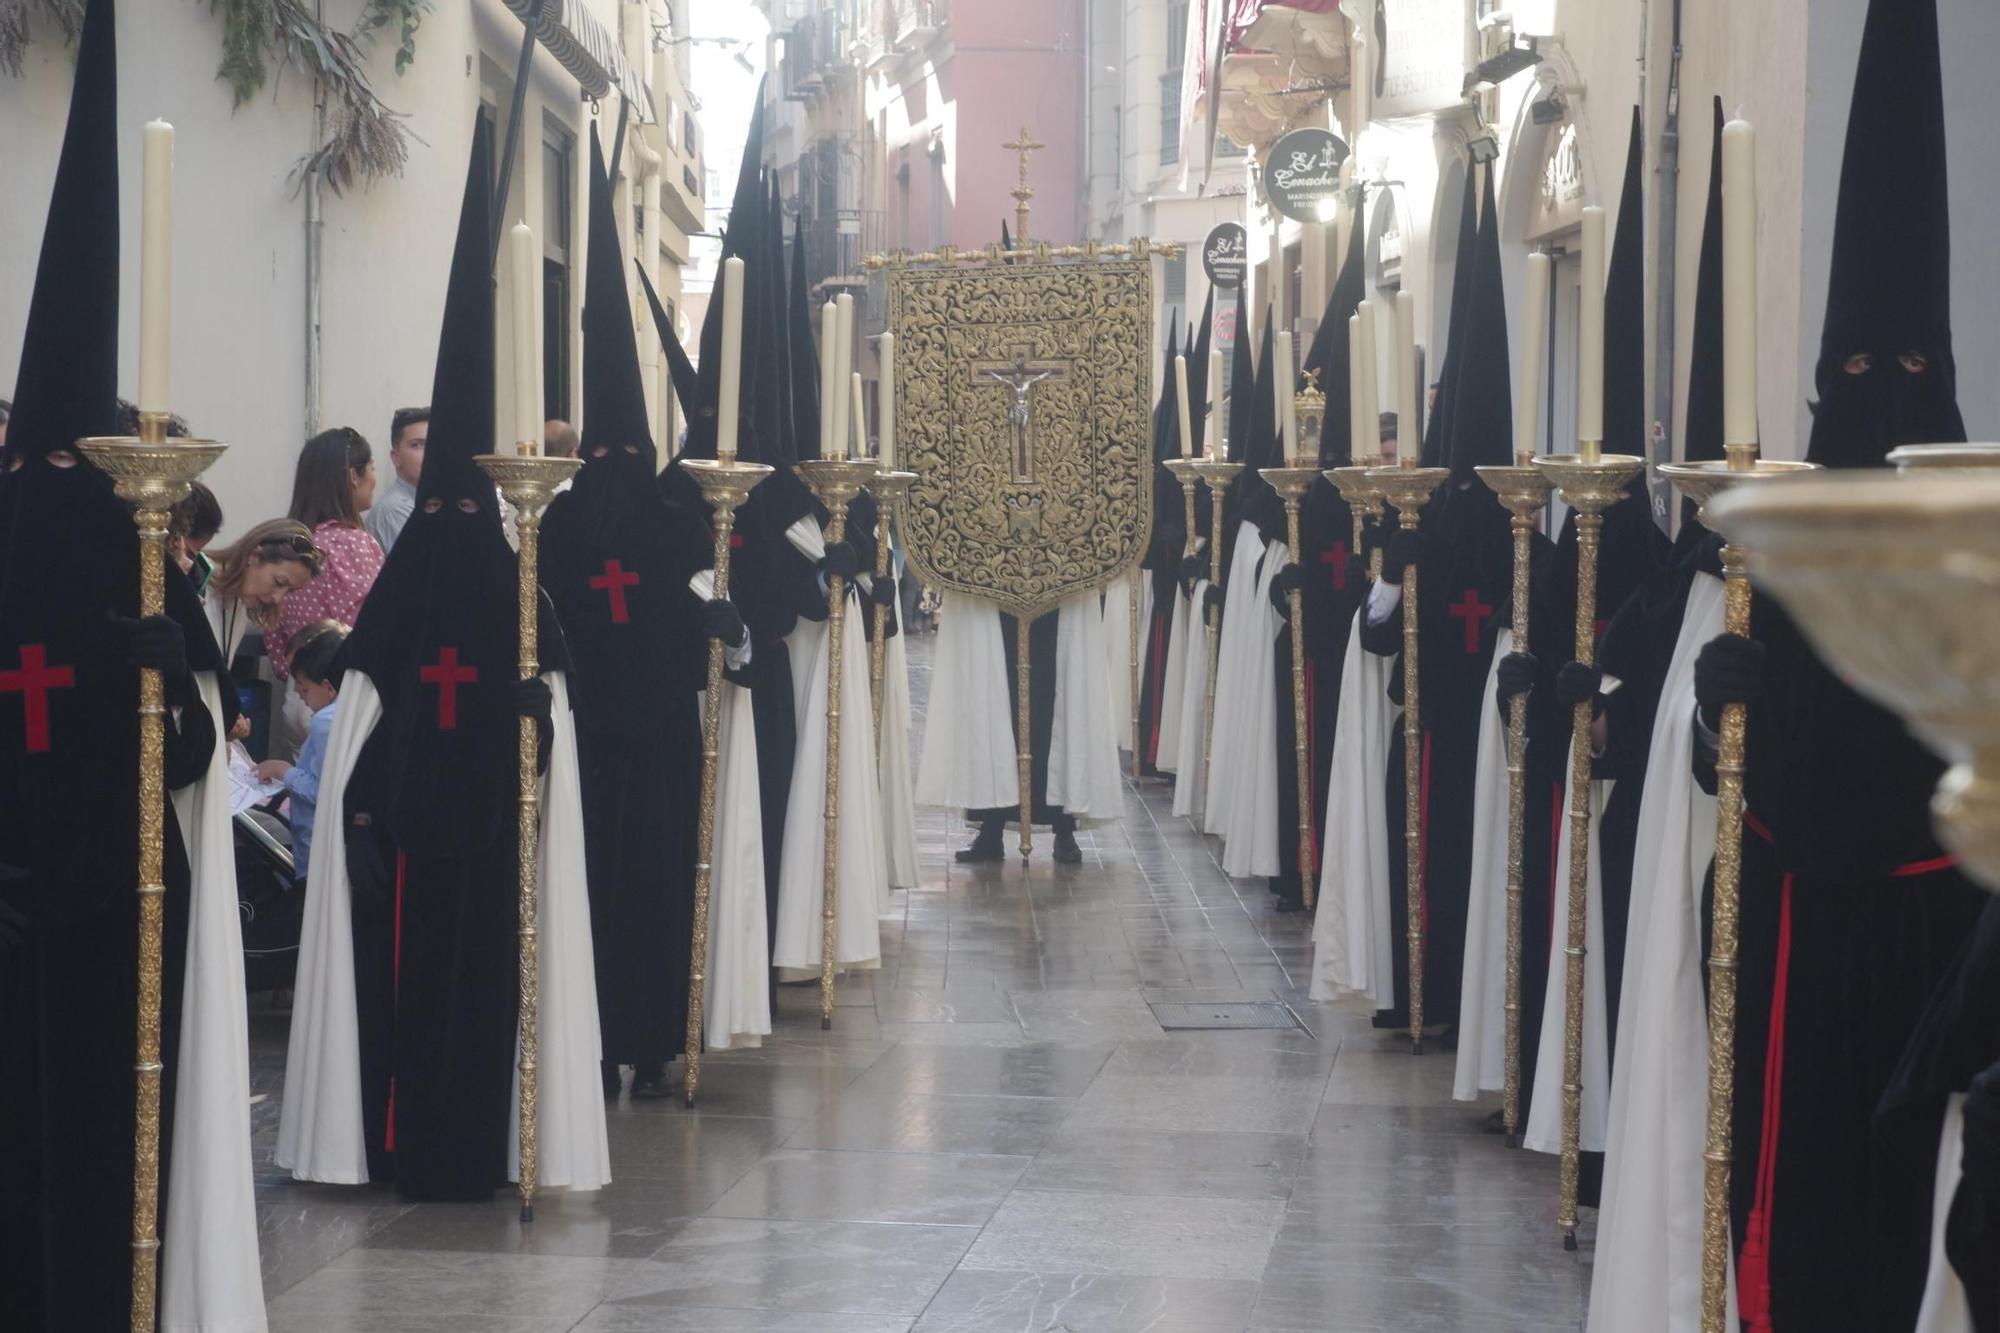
x=353, y=559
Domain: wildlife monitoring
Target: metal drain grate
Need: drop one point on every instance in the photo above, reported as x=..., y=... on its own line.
x=1225, y=1017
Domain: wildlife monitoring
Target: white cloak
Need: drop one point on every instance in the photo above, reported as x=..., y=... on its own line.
x=1352, y=935
x=1236, y=681
x=862, y=887
x=1482, y=1012
x=1543, y=1132
x=892, y=762
x=320, y=1135
x=1190, y=770
x=1946, y=1308
x=736, y=1005
x=972, y=764
x=1117, y=604
x=1251, y=817
x=1647, y=1274
x=210, y=1278
x=1173, y=682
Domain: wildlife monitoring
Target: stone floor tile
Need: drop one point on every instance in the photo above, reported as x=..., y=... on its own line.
x=1128, y=1235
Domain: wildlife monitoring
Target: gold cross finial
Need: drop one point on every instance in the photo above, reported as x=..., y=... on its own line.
x=1023, y=191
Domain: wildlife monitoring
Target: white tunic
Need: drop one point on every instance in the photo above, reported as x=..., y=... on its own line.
x=1482, y=1014
x=320, y=1134
x=899, y=815
x=1189, y=767
x=1251, y=817
x=1236, y=689
x=1352, y=934
x=1181, y=625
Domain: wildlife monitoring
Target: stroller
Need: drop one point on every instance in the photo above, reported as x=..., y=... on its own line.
x=272, y=910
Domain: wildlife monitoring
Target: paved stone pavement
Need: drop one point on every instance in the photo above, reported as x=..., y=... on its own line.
x=998, y=1135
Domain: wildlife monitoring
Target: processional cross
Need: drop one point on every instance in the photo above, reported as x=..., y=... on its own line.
x=1021, y=376
x=1022, y=191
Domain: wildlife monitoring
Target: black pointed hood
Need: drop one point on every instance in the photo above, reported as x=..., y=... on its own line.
x=1703, y=420
x=687, y=381
x=614, y=391
x=1625, y=311
x=67, y=387
x=1167, y=412
x=1328, y=354
x=805, y=351
x=1260, y=504
x=1198, y=370
x=1241, y=383
x=1888, y=301
x=1482, y=416
x=1437, y=430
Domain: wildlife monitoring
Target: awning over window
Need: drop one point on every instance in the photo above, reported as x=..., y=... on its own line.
x=1275, y=53
x=582, y=46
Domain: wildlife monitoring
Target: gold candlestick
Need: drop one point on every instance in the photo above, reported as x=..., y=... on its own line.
x=726, y=484
x=1291, y=484
x=888, y=488
x=1364, y=506
x=1409, y=490
x=1219, y=474
x=154, y=473
x=836, y=481
x=1702, y=482
x=1590, y=482
x=528, y=480
x=1186, y=472
x=1524, y=492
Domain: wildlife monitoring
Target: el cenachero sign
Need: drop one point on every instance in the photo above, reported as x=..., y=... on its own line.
x=1225, y=255
x=1303, y=169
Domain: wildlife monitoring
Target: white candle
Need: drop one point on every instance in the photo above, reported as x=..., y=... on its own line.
x=1181, y=404
x=843, y=356
x=1739, y=283
x=1277, y=269
x=1590, y=339
x=527, y=350
x=1357, y=436
x=858, y=410
x=729, y=398
x=156, y=268
x=1281, y=383
x=829, y=346
x=887, y=407
x=1371, y=430
x=1408, y=437
x=1534, y=341
x=1214, y=440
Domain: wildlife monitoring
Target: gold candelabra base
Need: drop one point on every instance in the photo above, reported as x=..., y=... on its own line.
x=889, y=489
x=154, y=473
x=1292, y=484
x=726, y=484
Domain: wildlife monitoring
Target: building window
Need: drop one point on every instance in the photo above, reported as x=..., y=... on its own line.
x=1170, y=117
x=1173, y=291
x=937, y=195
x=558, y=200
x=903, y=204
x=687, y=133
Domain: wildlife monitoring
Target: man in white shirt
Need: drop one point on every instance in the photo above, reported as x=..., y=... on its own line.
x=408, y=430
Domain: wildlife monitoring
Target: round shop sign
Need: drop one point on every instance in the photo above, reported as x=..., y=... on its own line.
x=1302, y=173
x=1225, y=255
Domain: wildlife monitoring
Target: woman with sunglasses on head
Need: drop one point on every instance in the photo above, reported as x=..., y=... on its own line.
x=333, y=487
x=254, y=576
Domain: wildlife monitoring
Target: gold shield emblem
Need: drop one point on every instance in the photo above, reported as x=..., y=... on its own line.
x=1024, y=407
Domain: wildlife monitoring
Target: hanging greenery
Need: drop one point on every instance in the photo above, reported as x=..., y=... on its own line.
x=364, y=137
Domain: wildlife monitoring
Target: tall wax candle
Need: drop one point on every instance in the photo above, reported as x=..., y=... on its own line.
x=156, y=268
x=1408, y=435
x=1358, y=449
x=1371, y=431
x=1739, y=283
x=1534, y=341
x=1590, y=339
x=527, y=350
x=859, y=413
x=1181, y=406
x=1281, y=386
x=887, y=407
x=829, y=347
x=843, y=356
x=729, y=399
x=1214, y=440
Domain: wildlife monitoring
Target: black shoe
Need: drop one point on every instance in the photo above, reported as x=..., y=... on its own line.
x=614, y=1079
x=986, y=847
x=649, y=1083
x=1067, y=853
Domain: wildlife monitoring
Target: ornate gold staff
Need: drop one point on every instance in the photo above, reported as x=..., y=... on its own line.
x=1024, y=757
x=1135, y=667
x=153, y=472
x=1589, y=482
x=1702, y=482
x=1218, y=473
x=1291, y=484
x=1187, y=472
x=727, y=484
x=1409, y=489
x=888, y=488
x=835, y=481
x=1364, y=506
x=1524, y=492
x=528, y=479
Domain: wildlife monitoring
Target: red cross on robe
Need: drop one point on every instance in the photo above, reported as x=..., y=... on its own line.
x=33, y=681
x=613, y=582
x=448, y=675
x=1336, y=556
x=1474, y=613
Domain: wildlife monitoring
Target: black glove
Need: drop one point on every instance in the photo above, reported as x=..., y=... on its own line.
x=1577, y=683
x=1193, y=570
x=1212, y=599
x=1728, y=670
x=1514, y=676
x=1707, y=555
x=721, y=620
x=884, y=591
x=840, y=561
x=157, y=642
x=1354, y=576
x=1406, y=548
x=1981, y=1164
x=1283, y=584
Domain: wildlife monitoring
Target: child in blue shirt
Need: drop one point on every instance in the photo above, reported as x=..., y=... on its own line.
x=316, y=673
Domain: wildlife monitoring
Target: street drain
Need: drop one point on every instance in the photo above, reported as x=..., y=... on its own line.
x=1226, y=1017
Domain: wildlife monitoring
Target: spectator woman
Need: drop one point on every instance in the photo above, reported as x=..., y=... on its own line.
x=253, y=577
x=333, y=487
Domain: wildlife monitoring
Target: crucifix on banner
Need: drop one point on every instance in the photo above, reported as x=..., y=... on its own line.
x=1020, y=375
